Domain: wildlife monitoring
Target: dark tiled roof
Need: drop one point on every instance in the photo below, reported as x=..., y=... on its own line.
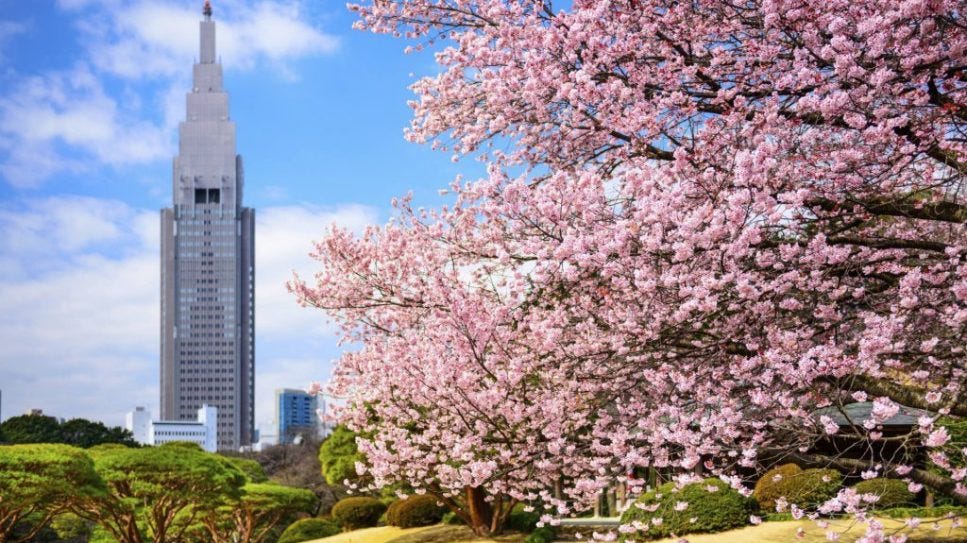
x=857, y=413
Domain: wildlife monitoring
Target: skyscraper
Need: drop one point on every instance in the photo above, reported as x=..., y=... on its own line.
x=208, y=265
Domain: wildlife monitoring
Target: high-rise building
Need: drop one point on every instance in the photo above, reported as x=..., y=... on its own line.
x=208, y=265
x=297, y=415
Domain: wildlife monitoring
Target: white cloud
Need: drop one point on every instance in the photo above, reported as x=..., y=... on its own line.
x=283, y=240
x=71, y=109
x=79, y=305
x=120, y=104
x=151, y=38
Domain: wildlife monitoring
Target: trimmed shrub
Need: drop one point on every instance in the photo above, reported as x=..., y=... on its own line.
x=706, y=506
x=767, y=488
x=892, y=492
x=806, y=488
x=452, y=518
x=360, y=512
x=308, y=529
x=541, y=535
x=523, y=521
x=416, y=510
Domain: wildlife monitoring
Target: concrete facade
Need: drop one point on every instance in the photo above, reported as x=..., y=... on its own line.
x=203, y=431
x=208, y=266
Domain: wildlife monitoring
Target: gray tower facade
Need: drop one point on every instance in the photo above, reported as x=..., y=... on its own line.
x=208, y=266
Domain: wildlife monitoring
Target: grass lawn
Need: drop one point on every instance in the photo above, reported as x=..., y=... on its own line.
x=769, y=532
x=785, y=532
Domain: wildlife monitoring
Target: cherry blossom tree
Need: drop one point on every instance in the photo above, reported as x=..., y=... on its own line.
x=703, y=221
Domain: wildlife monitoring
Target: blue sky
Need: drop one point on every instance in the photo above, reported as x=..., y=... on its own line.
x=91, y=92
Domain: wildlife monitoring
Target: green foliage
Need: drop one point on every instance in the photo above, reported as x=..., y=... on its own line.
x=767, y=488
x=360, y=512
x=957, y=429
x=85, y=433
x=308, y=529
x=892, y=492
x=523, y=521
x=39, y=481
x=154, y=488
x=253, y=470
x=414, y=511
x=32, y=429
x=78, y=432
x=544, y=534
x=804, y=488
x=707, y=511
x=452, y=518
x=338, y=456
x=923, y=512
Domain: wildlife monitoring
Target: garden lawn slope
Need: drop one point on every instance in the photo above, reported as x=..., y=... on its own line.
x=785, y=532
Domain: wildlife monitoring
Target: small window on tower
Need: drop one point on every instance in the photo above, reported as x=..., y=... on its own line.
x=200, y=196
x=214, y=196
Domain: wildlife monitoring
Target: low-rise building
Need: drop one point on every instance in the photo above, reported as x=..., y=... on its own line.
x=204, y=431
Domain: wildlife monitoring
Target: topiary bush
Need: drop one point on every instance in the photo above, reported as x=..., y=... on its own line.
x=805, y=488
x=892, y=492
x=523, y=521
x=308, y=529
x=360, y=512
x=706, y=506
x=416, y=510
x=767, y=488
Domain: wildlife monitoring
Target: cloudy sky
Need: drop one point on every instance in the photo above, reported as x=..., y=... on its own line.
x=91, y=93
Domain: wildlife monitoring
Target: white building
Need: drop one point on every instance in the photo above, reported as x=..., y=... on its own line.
x=204, y=431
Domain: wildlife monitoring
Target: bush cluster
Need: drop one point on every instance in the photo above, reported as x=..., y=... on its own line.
x=804, y=488
x=892, y=492
x=706, y=506
x=360, y=512
x=414, y=511
x=523, y=521
x=308, y=529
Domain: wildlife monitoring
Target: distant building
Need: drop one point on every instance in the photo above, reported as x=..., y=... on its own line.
x=204, y=431
x=297, y=415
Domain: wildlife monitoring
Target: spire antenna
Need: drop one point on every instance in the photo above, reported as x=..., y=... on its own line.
x=207, y=10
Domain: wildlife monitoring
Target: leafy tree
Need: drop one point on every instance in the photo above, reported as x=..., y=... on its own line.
x=252, y=469
x=32, y=429
x=39, y=482
x=85, y=433
x=156, y=493
x=338, y=456
x=701, y=223
x=258, y=515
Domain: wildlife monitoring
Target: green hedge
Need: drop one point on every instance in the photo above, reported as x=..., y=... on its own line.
x=360, y=512
x=308, y=529
x=707, y=511
x=892, y=492
x=767, y=488
x=416, y=510
x=804, y=488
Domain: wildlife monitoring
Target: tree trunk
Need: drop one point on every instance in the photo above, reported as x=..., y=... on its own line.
x=480, y=512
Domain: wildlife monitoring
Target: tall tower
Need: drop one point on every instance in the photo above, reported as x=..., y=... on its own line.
x=208, y=265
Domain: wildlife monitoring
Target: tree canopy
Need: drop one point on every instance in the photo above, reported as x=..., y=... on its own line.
x=338, y=456
x=39, y=482
x=156, y=493
x=702, y=222
x=78, y=432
